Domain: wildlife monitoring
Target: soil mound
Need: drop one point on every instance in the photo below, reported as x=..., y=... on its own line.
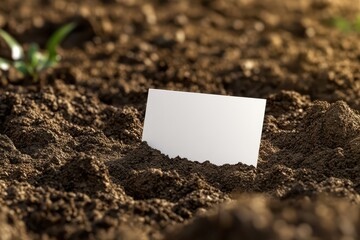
x=323, y=141
x=330, y=125
x=83, y=174
x=58, y=213
x=256, y=217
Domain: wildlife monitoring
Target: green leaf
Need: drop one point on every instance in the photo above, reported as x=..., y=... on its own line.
x=20, y=66
x=17, y=51
x=42, y=62
x=33, y=54
x=56, y=39
x=357, y=23
x=4, y=64
x=342, y=24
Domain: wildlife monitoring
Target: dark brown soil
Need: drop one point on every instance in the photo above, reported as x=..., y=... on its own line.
x=71, y=158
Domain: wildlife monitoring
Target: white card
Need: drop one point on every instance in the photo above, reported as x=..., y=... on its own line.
x=200, y=127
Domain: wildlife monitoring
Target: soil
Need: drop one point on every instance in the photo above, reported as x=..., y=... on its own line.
x=72, y=162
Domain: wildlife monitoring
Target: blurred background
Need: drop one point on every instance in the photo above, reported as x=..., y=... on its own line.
x=120, y=48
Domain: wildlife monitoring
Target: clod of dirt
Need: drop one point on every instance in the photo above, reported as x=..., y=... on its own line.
x=9, y=152
x=123, y=125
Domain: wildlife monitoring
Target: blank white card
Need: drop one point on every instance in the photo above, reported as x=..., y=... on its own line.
x=200, y=127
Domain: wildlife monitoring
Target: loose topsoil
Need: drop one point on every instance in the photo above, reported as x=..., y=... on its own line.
x=71, y=158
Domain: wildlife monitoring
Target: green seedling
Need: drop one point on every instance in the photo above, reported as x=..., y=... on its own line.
x=347, y=26
x=357, y=23
x=342, y=24
x=35, y=61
